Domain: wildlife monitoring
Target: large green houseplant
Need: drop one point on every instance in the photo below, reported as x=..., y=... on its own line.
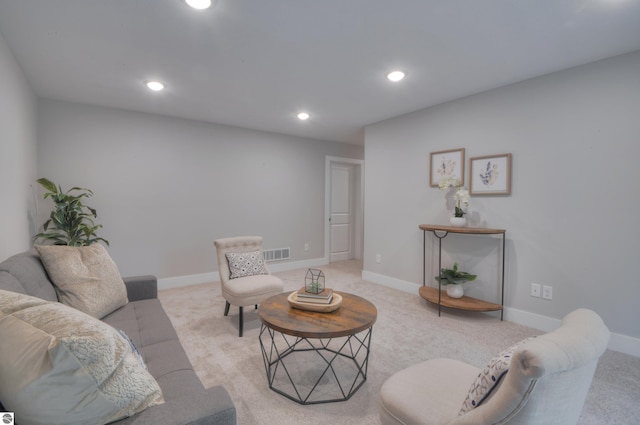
x=71, y=222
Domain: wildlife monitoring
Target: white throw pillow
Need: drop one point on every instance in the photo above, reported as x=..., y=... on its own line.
x=59, y=365
x=85, y=278
x=243, y=264
x=489, y=378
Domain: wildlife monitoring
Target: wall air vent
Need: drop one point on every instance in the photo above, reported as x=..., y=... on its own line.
x=278, y=254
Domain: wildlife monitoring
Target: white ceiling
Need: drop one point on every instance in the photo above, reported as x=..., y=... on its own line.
x=256, y=63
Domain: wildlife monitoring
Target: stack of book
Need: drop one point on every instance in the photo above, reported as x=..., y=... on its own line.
x=323, y=297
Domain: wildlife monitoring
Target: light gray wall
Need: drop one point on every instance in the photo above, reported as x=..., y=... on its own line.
x=165, y=188
x=18, y=156
x=572, y=219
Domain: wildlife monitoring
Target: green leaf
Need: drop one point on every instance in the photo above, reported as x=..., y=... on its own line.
x=48, y=184
x=87, y=192
x=453, y=276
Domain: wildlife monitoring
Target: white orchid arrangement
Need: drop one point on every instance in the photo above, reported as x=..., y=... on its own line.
x=461, y=195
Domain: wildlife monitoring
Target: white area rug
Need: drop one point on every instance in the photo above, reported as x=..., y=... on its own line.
x=407, y=331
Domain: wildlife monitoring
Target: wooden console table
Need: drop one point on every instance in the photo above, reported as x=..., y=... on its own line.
x=437, y=295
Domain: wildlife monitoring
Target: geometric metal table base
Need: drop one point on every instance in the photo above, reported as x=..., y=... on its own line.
x=315, y=370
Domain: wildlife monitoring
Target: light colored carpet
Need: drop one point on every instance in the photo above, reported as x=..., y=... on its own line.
x=407, y=331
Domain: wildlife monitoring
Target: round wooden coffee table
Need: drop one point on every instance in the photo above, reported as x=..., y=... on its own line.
x=313, y=357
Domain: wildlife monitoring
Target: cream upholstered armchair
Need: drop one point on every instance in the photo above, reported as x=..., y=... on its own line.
x=244, y=276
x=547, y=381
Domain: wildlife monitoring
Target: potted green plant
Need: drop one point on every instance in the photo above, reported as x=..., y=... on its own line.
x=453, y=280
x=71, y=222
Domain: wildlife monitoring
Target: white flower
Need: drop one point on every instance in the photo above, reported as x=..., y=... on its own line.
x=462, y=196
x=449, y=181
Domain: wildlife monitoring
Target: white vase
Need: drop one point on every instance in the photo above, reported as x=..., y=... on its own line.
x=455, y=291
x=458, y=221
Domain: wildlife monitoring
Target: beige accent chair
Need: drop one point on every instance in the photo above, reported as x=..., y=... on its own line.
x=248, y=290
x=547, y=382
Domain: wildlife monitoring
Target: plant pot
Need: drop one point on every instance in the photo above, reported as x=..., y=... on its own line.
x=455, y=291
x=458, y=221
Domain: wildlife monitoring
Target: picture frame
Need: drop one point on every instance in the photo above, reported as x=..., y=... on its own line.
x=446, y=163
x=490, y=175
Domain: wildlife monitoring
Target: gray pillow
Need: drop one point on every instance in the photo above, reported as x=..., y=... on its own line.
x=59, y=365
x=243, y=264
x=85, y=278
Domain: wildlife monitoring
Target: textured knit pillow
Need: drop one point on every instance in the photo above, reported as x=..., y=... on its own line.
x=59, y=365
x=134, y=349
x=243, y=264
x=85, y=278
x=489, y=378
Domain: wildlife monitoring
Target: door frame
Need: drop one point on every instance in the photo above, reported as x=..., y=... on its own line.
x=358, y=202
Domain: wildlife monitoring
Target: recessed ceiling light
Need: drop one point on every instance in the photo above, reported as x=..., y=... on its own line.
x=303, y=116
x=199, y=4
x=155, y=85
x=396, y=75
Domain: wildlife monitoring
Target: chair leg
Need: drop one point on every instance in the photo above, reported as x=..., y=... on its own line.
x=226, y=312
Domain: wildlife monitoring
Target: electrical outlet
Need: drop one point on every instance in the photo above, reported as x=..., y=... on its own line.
x=535, y=290
x=306, y=247
x=378, y=258
x=547, y=292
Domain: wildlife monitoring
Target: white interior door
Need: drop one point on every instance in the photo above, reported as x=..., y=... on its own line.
x=341, y=212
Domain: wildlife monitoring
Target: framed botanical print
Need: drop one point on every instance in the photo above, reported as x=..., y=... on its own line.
x=490, y=175
x=446, y=164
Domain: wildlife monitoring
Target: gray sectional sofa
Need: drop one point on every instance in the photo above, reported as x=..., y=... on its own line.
x=144, y=320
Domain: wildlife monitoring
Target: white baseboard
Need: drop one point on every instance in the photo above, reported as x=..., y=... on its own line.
x=533, y=320
x=179, y=281
x=391, y=282
x=618, y=342
x=625, y=344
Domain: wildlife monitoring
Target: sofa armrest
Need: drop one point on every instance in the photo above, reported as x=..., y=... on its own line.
x=141, y=287
x=211, y=406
